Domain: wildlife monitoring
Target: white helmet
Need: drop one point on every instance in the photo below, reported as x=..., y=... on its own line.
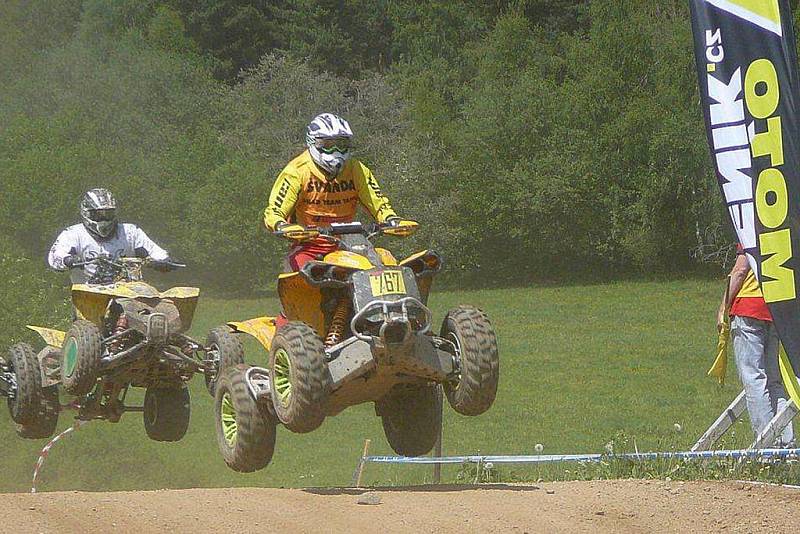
x=328, y=137
x=98, y=209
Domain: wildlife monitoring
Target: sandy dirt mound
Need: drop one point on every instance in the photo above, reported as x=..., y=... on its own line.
x=601, y=506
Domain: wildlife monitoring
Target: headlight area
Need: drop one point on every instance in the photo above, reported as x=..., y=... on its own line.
x=392, y=321
x=326, y=275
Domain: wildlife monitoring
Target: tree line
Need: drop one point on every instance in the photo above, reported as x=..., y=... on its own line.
x=534, y=140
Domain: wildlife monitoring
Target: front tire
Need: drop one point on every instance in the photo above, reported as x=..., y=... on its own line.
x=246, y=431
x=166, y=413
x=469, y=329
x=229, y=350
x=412, y=418
x=80, y=357
x=299, y=377
x=33, y=409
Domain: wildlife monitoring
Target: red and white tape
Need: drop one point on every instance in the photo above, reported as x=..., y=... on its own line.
x=46, y=451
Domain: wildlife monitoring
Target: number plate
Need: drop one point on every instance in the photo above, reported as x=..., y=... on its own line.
x=387, y=283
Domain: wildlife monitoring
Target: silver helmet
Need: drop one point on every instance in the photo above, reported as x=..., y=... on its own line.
x=99, y=212
x=329, y=137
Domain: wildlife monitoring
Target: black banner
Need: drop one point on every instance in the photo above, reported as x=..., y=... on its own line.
x=747, y=69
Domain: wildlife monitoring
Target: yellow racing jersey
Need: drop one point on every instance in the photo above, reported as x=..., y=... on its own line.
x=303, y=194
x=750, y=287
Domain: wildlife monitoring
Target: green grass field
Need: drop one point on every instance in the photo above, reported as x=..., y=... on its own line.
x=579, y=366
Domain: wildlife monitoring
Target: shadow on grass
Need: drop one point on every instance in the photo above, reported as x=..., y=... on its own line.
x=422, y=488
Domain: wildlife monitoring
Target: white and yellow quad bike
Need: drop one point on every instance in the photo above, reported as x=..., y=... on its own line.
x=359, y=331
x=126, y=333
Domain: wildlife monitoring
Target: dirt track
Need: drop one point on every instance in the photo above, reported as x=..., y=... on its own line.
x=616, y=506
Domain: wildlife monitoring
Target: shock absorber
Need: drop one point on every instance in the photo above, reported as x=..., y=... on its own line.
x=121, y=326
x=338, y=323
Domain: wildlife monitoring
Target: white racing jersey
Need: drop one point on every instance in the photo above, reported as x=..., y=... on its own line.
x=79, y=242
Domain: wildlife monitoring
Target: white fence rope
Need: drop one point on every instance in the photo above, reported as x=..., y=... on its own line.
x=46, y=451
x=557, y=458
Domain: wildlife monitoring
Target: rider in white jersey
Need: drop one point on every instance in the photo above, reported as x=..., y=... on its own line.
x=100, y=234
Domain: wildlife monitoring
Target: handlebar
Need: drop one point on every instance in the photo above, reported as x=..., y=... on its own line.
x=165, y=265
x=332, y=232
x=122, y=263
x=95, y=260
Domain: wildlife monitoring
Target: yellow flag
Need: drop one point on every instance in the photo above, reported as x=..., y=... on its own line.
x=720, y=365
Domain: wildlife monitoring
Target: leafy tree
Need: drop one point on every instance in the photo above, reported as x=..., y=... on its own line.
x=30, y=27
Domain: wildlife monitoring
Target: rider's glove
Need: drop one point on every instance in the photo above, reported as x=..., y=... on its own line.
x=400, y=227
x=68, y=260
x=394, y=222
x=164, y=266
x=295, y=232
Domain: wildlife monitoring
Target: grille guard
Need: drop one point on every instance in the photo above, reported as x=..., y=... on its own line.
x=394, y=311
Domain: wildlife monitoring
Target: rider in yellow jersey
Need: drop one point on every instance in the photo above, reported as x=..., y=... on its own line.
x=323, y=185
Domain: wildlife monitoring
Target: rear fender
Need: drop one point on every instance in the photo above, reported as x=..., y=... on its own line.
x=90, y=305
x=261, y=328
x=301, y=301
x=185, y=299
x=53, y=338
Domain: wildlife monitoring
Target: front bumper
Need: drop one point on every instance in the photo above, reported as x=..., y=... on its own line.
x=391, y=322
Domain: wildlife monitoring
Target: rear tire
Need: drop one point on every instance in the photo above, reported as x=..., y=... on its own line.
x=230, y=350
x=299, y=377
x=166, y=413
x=472, y=333
x=34, y=409
x=80, y=357
x=246, y=431
x=412, y=418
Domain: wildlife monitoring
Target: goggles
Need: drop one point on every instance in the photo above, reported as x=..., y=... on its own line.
x=333, y=144
x=105, y=215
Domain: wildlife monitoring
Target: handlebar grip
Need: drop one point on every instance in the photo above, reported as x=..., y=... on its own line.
x=166, y=265
x=401, y=228
x=298, y=235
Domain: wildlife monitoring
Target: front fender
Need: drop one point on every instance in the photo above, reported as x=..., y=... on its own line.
x=53, y=338
x=261, y=328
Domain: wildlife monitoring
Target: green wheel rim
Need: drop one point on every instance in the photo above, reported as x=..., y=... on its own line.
x=282, y=376
x=70, y=356
x=228, y=416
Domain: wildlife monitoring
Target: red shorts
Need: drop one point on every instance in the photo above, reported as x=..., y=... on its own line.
x=301, y=254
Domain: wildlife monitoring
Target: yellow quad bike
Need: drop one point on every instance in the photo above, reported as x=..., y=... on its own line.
x=126, y=334
x=359, y=331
